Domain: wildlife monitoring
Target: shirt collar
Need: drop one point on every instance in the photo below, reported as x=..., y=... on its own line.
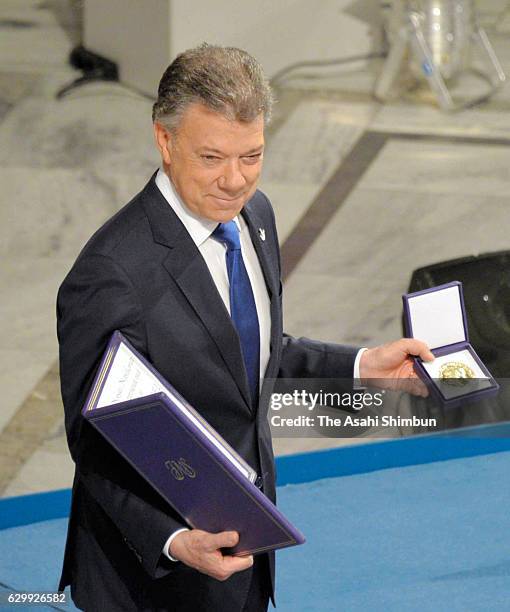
x=198, y=227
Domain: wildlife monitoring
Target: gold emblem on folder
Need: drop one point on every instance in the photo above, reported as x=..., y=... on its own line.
x=180, y=469
x=456, y=373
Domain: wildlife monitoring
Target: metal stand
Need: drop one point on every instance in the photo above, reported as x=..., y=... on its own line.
x=411, y=38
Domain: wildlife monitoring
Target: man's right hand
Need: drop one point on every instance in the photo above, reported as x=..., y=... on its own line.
x=201, y=550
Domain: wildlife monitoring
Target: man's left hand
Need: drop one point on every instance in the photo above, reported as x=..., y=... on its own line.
x=391, y=365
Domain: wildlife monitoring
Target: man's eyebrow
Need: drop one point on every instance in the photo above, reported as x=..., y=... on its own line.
x=258, y=149
x=210, y=150
x=255, y=150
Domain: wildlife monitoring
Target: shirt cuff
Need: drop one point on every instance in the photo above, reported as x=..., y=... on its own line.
x=356, y=374
x=166, y=547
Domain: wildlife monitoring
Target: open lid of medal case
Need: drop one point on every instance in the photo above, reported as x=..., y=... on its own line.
x=437, y=316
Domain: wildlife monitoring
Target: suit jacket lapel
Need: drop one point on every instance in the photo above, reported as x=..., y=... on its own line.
x=187, y=267
x=269, y=269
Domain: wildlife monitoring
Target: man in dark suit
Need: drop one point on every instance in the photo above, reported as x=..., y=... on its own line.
x=189, y=272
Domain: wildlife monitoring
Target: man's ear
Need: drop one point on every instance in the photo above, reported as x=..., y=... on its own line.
x=163, y=142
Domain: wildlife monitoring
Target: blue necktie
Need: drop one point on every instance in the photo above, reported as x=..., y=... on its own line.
x=242, y=303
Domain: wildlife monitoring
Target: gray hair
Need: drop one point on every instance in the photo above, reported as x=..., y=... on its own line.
x=224, y=79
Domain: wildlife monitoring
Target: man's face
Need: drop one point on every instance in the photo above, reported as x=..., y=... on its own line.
x=214, y=163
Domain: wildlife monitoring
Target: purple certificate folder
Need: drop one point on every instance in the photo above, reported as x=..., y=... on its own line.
x=174, y=448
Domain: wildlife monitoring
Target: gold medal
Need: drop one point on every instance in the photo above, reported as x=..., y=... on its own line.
x=456, y=373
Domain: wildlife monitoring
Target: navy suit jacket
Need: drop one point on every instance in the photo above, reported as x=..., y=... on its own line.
x=142, y=274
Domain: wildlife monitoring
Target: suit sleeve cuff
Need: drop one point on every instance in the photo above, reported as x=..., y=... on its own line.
x=166, y=547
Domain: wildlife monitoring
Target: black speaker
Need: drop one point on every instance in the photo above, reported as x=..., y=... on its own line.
x=486, y=283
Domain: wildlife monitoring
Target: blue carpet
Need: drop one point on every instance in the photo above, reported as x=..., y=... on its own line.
x=31, y=560
x=427, y=537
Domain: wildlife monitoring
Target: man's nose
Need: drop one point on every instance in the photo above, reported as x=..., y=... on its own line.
x=232, y=178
